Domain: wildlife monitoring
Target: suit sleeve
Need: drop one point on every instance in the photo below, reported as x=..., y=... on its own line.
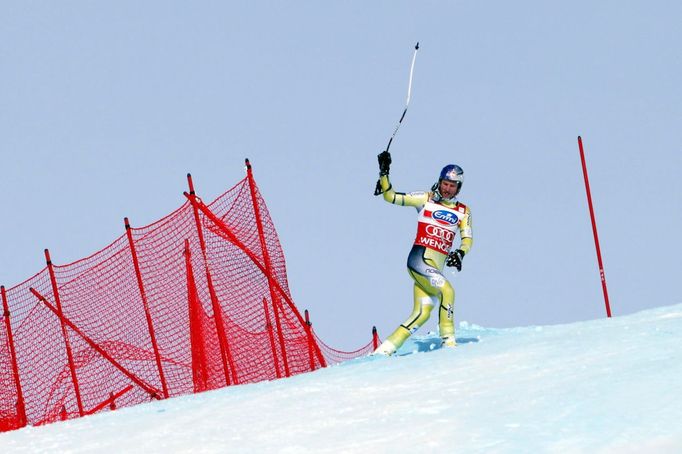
x=466, y=233
x=414, y=199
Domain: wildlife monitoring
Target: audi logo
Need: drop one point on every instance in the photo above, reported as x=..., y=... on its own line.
x=440, y=233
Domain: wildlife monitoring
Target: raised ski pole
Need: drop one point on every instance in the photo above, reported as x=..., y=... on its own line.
x=594, y=229
x=378, y=189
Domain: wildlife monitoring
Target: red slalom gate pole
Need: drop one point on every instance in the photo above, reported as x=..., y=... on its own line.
x=375, y=338
x=594, y=229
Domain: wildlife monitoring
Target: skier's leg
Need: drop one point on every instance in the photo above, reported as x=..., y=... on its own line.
x=444, y=294
x=423, y=304
x=446, y=322
x=439, y=286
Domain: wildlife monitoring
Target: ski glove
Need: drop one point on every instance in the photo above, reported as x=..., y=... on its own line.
x=384, y=162
x=455, y=259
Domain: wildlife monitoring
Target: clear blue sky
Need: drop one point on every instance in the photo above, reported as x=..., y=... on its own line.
x=104, y=107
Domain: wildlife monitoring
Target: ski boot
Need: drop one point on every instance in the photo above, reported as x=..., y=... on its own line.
x=449, y=341
x=387, y=348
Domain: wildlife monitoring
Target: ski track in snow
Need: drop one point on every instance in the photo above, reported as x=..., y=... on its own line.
x=605, y=386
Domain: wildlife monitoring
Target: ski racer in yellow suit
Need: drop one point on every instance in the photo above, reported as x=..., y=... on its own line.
x=441, y=215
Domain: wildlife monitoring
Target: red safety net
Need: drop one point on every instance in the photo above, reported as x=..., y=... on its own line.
x=195, y=301
x=334, y=356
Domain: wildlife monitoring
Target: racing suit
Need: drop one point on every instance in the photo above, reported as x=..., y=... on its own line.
x=438, y=223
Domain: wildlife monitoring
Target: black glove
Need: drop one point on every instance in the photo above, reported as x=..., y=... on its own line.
x=384, y=162
x=455, y=259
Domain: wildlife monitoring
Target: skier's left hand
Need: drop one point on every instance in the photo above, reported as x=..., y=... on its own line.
x=455, y=259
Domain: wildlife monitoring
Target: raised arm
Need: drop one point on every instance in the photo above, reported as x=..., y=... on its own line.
x=414, y=199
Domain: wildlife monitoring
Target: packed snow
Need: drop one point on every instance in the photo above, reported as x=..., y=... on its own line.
x=609, y=385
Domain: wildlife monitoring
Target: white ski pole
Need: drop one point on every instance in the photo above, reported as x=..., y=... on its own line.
x=378, y=189
x=409, y=95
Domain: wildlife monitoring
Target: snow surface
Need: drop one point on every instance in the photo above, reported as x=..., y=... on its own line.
x=611, y=385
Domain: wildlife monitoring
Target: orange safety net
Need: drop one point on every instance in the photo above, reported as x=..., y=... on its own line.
x=195, y=301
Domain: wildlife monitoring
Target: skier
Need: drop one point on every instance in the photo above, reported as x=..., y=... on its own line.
x=440, y=216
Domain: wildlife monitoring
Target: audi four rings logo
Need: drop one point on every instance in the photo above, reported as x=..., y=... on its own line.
x=445, y=217
x=440, y=233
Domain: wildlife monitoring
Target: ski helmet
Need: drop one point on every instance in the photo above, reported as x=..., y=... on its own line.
x=451, y=172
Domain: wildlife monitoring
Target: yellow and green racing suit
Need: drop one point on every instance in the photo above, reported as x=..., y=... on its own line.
x=438, y=223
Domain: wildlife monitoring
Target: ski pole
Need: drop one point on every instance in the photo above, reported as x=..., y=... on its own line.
x=409, y=95
x=378, y=189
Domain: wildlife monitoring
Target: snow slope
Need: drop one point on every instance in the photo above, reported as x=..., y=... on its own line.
x=598, y=386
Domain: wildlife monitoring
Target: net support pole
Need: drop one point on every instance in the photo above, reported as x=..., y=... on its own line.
x=271, y=338
x=225, y=352
x=147, y=312
x=110, y=401
x=280, y=337
x=267, y=263
x=602, y=276
x=21, y=406
x=309, y=334
x=196, y=339
x=67, y=344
